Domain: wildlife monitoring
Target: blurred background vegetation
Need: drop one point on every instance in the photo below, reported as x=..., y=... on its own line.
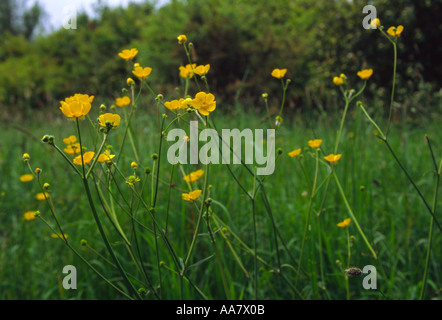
x=243, y=40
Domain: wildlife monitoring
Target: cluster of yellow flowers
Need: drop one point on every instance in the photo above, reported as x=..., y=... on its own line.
x=203, y=102
x=315, y=144
x=364, y=74
x=189, y=70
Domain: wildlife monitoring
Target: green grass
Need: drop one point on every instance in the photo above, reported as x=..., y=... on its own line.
x=388, y=209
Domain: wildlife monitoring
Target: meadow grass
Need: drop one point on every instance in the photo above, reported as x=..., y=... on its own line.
x=390, y=213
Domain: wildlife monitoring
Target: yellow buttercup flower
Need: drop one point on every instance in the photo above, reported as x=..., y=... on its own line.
x=123, y=101
x=73, y=149
x=191, y=196
x=344, y=224
x=395, y=31
x=87, y=157
x=185, y=103
x=202, y=70
x=59, y=236
x=113, y=119
x=375, y=23
x=30, y=215
x=204, y=103
x=141, y=72
x=316, y=143
x=132, y=180
x=182, y=38
x=76, y=106
x=187, y=71
x=172, y=105
x=194, y=176
x=106, y=156
x=41, y=196
x=333, y=158
x=365, y=74
x=26, y=177
x=70, y=140
x=279, y=73
x=295, y=153
x=128, y=54
x=338, y=81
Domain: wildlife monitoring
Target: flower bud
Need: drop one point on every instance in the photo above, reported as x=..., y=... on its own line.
x=182, y=38
x=37, y=171
x=265, y=95
x=83, y=242
x=353, y=272
x=155, y=156
x=133, y=165
x=26, y=157
x=130, y=82
x=46, y=186
x=147, y=170
x=102, y=107
x=36, y=213
x=142, y=292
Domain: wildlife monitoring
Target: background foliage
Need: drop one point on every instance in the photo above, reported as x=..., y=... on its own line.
x=242, y=40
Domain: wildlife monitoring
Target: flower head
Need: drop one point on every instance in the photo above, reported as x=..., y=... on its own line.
x=76, y=106
x=70, y=140
x=172, y=105
x=365, y=74
x=72, y=149
x=87, y=157
x=375, y=23
x=106, y=156
x=123, y=101
x=187, y=71
x=344, y=224
x=30, y=215
x=191, y=196
x=295, y=153
x=395, y=31
x=202, y=70
x=333, y=158
x=316, y=143
x=141, y=72
x=182, y=38
x=339, y=80
x=26, y=177
x=279, y=73
x=194, y=176
x=59, y=236
x=128, y=54
x=204, y=103
x=109, y=119
x=41, y=196
x=132, y=180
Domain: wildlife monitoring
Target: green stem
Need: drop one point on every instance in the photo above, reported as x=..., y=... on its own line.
x=350, y=211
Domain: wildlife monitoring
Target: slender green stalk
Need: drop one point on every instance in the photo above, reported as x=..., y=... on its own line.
x=430, y=233
x=307, y=221
x=353, y=217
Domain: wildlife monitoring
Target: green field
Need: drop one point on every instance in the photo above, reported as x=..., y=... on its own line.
x=387, y=207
